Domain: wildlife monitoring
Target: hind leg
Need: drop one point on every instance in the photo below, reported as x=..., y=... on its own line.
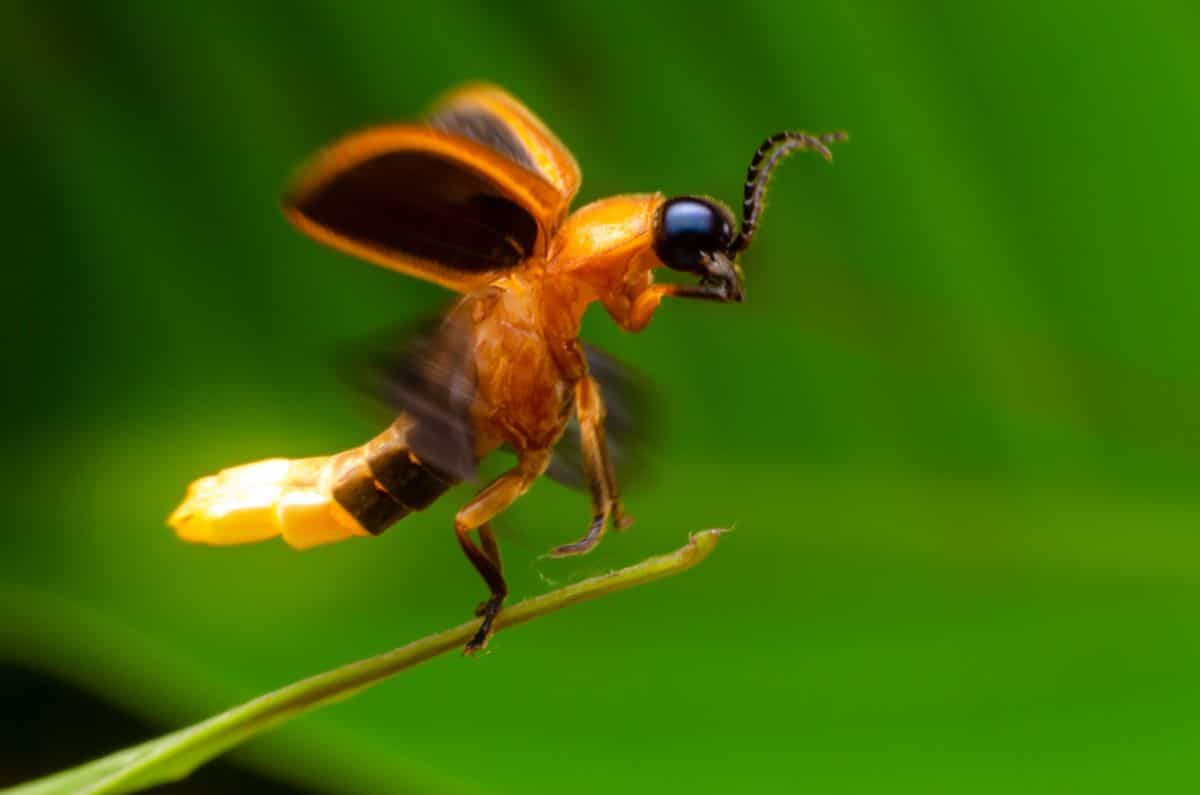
x=475, y=515
x=491, y=573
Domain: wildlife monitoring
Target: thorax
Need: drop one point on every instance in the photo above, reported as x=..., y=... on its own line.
x=525, y=376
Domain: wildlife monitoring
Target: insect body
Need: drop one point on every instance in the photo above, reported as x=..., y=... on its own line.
x=476, y=200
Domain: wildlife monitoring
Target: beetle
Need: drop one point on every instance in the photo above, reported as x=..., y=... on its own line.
x=477, y=199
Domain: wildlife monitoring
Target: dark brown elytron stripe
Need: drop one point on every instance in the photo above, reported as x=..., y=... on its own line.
x=427, y=206
x=484, y=128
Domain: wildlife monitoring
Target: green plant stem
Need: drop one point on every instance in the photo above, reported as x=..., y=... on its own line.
x=175, y=755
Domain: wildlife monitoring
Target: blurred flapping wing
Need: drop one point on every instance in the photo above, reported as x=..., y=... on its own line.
x=428, y=374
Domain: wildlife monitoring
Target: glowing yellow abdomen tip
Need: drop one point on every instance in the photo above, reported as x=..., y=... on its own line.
x=262, y=500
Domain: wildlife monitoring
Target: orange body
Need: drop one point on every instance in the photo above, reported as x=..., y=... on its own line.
x=524, y=320
x=527, y=358
x=527, y=324
x=477, y=200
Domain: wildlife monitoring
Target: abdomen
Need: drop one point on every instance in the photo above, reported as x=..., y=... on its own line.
x=311, y=501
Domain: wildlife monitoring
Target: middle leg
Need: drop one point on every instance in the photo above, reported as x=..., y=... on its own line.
x=589, y=407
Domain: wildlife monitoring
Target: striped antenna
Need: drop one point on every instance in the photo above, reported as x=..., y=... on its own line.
x=767, y=156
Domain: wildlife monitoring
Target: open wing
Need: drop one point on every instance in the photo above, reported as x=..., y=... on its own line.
x=494, y=118
x=458, y=201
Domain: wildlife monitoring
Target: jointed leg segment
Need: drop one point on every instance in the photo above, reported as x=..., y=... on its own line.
x=589, y=407
x=497, y=496
x=648, y=300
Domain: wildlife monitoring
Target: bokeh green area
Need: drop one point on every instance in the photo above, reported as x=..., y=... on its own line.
x=956, y=424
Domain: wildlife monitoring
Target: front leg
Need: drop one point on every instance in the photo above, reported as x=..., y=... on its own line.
x=606, y=502
x=648, y=300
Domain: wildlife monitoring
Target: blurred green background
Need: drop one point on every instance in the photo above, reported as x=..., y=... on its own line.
x=956, y=424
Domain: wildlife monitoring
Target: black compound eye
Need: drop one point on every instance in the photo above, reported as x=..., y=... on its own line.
x=689, y=228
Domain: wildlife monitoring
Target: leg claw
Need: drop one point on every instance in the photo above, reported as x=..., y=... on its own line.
x=488, y=610
x=585, y=544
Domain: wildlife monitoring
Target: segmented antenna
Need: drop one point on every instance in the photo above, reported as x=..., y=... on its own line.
x=768, y=155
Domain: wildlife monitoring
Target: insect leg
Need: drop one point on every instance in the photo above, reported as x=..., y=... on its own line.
x=489, y=570
x=648, y=300
x=620, y=519
x=589, y=407
x=497, y=496
x=490, y=547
